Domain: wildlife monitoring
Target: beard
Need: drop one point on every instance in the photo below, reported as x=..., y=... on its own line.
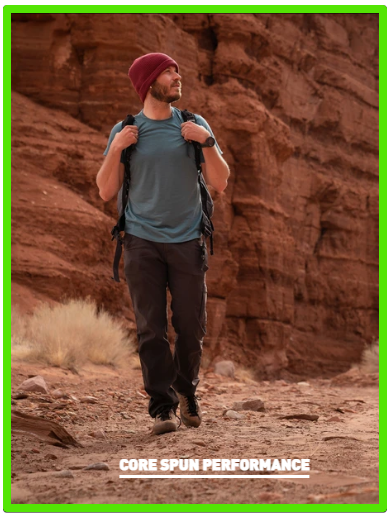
x=161, y=93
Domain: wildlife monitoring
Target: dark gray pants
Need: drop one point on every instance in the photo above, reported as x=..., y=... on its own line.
x=151, y=268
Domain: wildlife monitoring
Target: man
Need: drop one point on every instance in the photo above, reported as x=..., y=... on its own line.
x=163, y=246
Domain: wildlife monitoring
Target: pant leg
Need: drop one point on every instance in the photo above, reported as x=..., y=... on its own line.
x=146, y=274
x=186, y=268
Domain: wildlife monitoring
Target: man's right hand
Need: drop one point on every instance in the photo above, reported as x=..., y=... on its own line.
x=126, y=137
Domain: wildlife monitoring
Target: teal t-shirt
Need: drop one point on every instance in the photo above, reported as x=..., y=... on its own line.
x=164, y=199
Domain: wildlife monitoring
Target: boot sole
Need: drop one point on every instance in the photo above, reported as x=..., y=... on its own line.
x=164, y=428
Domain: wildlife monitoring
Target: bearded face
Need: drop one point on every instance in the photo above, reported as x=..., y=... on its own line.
x=166, y=94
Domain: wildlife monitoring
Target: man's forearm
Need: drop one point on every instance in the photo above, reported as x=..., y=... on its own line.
x=216, y=169
x=111, y=174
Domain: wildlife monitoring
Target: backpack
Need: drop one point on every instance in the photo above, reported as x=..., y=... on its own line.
x=207, y=203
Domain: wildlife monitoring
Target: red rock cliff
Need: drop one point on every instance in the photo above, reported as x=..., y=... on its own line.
x=293, y=101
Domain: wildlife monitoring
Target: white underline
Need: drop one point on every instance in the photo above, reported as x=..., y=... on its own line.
x=213, y=476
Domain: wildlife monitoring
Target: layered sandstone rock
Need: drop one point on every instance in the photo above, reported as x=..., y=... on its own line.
x=293, y=101
x=60, y=242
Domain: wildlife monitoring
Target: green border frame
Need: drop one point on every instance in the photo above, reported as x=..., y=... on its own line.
x=382, y=11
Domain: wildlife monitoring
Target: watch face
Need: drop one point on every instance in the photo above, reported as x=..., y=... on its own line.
x=210, y=142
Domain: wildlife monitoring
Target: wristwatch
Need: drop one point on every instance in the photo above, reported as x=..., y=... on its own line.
x=210, y=142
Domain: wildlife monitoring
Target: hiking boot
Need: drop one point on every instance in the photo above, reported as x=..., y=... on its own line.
x=165, y=421
x=190, y=410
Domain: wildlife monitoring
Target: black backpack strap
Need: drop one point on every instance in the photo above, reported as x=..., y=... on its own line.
x=117, y=258
x=120, y=226
x=187, y=116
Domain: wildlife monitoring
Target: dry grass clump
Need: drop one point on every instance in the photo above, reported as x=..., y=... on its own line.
x=369, y=361
x=245, y=375
x=68, y=335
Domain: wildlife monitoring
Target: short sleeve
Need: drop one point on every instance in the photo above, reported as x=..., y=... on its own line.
x=201, y=121
x=116, y=129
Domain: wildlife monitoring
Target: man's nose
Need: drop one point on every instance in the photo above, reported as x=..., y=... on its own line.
x=178, y=76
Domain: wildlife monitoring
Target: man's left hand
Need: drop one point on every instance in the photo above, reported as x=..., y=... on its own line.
x=194, y=132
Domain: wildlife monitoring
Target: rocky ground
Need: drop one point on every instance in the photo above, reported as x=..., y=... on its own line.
x=106, y=411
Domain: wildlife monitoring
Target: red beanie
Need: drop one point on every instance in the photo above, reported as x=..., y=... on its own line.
x=145, y=70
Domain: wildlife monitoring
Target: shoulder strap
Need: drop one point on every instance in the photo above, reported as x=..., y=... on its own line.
x=187, y=116
x=120, y=226
x=129, y=120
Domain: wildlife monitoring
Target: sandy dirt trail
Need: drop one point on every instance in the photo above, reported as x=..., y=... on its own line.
x=342, y=444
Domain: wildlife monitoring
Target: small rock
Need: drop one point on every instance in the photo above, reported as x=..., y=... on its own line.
x=232, y=414
x=125, y=415
x=269, y=497
x=330, y=437
x=255, y=404
x=316, y=498
x=99, y=466
x=98, y=434
x=35, y=450
x=51, y=456
x=58, y=393
x=303, y=384
x=307, y=417
x=225, y=368
x=35, y=384
x=199, y=443
x=334, y=419
x=20, y=396
x=89, y=399
x=64, y=474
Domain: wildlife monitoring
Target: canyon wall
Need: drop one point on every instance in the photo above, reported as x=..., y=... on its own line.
x=293, y=102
